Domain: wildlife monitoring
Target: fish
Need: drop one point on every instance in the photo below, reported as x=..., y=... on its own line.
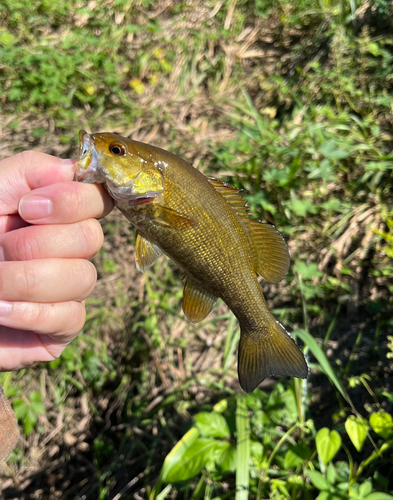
x=204, y=227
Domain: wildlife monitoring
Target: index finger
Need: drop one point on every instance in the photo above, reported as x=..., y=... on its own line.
x=29, y=170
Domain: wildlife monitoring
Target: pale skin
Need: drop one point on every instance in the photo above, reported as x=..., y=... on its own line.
x=48, y=231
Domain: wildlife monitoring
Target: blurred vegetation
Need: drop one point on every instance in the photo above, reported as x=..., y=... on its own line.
x=291, y=101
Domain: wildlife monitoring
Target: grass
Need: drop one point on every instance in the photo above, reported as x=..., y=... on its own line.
x=290, y=101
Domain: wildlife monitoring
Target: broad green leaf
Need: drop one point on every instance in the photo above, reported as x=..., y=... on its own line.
x=178, y=451
x=217, y=454
x=365, y=489
x=197, y=456
x=212, y=424
x=296, y=455
x=228, y=460
x=331, y=474
x=382, y=424
x=318, y=480
x=256, y=449
x=356, y=428
x=328, y=443
x=377, y=495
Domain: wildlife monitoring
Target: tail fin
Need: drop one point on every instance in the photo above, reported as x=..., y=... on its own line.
x=267, y=352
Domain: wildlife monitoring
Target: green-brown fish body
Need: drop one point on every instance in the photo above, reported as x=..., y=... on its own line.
x=203, y=226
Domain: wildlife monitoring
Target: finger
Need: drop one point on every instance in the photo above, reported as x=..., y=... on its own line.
x=47, y=280
x=65, y=203
x=62, y=320
x=65, y=241
x=30, y=170
x=21, y=348
x=11, y=222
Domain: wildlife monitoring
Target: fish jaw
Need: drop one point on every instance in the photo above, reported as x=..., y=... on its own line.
x=89, y=161
x=98, y=167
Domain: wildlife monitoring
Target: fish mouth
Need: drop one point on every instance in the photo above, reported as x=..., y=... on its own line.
x=90, y=169
x=89, y=161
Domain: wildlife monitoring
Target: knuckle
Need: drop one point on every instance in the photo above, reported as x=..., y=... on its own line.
x=28, y=280
x=25, y=245
x=86, y=276
x=92, y=235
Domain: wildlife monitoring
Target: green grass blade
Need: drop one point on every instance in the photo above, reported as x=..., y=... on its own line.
x=243, y=448
x=326, y=367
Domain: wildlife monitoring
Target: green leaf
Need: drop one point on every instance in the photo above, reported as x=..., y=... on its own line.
x=331, y=474
x=382, y=424
x=197, y=456
x=308, y=271
x=178, y=451
x=377, y=495
x=365, y=488
x=331, y=150
x=256, y=449
x=328, y=443
x=318, y=480
x=356, y=428
x=228, y=460
x=217, y=454
x=303, y=207
x=296, y=455
x=212, y=424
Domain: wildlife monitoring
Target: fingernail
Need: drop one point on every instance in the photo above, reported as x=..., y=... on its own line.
x=2, y=256
x=68, y=161
x=5, y=308
x=35, y=207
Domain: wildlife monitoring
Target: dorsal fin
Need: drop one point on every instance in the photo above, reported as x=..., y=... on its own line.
x=270, y=251
x=232, y=195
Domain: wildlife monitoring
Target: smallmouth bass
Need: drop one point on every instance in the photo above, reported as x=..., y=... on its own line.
x=203, y=226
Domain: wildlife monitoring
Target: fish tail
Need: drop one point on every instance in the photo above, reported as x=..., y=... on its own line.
x=267, y=351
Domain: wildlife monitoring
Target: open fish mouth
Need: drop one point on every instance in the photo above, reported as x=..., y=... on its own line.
x=90, y=170
x=89, y=161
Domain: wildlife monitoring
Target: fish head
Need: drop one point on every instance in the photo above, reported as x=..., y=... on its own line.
x=121, y=164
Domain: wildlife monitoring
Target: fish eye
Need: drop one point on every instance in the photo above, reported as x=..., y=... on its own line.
x=117, y=149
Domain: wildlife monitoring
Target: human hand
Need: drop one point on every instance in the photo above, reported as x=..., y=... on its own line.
x=44, y=272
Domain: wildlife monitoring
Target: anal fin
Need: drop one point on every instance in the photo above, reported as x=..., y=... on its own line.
x=146, y=253
x=197, y=302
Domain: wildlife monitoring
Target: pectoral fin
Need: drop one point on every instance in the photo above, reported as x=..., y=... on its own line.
x=270, y=351
x=146, y=253
x=197, y=303
x=173, y=218
x=270, y=251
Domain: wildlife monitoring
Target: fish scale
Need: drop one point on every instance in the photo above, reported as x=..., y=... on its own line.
x=202, y=225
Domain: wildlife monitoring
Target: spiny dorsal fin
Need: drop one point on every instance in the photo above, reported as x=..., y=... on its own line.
x=146, y=253
x=270, y=251
x=232, y=195
x=197, y=302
